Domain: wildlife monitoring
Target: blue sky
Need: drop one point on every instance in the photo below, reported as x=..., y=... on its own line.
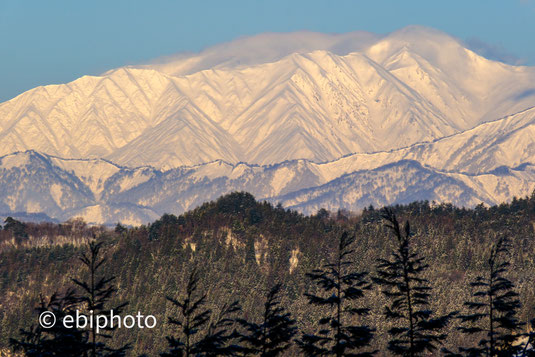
x=46, y=42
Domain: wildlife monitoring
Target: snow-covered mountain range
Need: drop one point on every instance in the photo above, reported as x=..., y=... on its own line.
x=309, y=120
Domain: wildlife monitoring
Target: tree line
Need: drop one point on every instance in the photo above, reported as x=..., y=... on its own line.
x=340, y=294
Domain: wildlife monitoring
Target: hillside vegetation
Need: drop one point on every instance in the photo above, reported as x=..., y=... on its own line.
x=241, y=248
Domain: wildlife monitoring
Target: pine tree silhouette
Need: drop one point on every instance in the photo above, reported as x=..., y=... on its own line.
x=217, y=340
x=97, y=292
x=274, y=334
x=192, y=340
x=493, y=310
x=415, y=329
x=57, y=340
x=342, y=287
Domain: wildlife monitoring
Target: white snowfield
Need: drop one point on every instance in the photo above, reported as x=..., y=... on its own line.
x=309, y=120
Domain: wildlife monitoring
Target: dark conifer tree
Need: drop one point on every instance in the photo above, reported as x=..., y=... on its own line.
x=96, y=294
x=493, y=312
x=274, y=334
x=196, y=335
x=56, y=340
x=17, y=228
x=217, y=340
x=415, y=330
x=342, y=287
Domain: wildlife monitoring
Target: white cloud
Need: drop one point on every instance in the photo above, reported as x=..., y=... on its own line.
x=493, y=51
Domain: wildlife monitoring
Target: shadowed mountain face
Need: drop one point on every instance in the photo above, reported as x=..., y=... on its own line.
x=274, y=114
x=102, y=192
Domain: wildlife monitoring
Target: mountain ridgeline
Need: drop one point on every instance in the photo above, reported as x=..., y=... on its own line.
x=306, y=119
x=264, y=280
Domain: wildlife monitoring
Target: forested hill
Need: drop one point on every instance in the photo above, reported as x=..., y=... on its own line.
x=242, y=248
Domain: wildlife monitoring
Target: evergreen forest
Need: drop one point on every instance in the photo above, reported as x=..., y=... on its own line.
x=241, y=277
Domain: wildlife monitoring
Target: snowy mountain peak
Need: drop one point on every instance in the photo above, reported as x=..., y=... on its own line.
x=273, y=114
x=270, y=98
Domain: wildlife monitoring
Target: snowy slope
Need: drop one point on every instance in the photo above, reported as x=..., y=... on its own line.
x=271, y=98
x=37, y=183
x=31, y=183
x=310, y=120
x=504, y=142
x=407, y=181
